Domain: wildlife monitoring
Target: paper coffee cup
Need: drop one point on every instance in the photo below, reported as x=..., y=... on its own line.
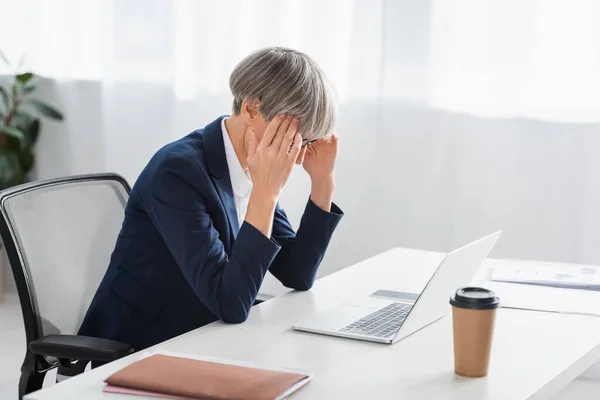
x=473, y=317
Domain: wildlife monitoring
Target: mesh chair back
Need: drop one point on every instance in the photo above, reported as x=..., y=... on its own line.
x=63, y=233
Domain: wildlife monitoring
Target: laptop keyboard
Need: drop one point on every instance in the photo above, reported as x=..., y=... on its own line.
x=382, y=323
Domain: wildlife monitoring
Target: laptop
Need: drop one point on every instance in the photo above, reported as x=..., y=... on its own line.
x=389, y=316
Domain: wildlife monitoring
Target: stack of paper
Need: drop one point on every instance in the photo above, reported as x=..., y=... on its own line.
x=528, y=285
x=585, y=277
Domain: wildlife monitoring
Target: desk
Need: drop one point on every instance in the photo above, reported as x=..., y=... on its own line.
x=534, y=354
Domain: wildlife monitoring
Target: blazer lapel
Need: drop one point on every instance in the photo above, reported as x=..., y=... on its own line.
x=217, y=164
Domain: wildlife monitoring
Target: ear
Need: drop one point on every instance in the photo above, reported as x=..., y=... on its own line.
x=250, y=111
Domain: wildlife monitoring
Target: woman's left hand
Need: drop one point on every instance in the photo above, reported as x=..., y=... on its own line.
x=319, y=162
x=319, y=158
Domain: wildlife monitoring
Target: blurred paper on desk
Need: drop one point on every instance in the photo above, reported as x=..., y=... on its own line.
x=571, y=276
x=543, y=298
x=534, y=296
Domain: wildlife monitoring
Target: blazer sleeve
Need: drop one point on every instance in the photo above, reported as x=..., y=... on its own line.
x=226, y=285
x=301, y=253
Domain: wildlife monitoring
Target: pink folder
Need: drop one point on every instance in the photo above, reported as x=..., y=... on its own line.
x=121, y=390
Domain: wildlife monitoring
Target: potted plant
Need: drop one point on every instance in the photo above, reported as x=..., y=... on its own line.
x=20, y=113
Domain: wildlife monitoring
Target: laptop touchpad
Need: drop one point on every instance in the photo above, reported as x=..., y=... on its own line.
x=396, y=296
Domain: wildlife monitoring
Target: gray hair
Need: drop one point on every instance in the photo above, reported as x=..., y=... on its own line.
x=286, y=81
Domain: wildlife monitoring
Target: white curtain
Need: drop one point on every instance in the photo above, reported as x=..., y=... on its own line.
x=457, y=117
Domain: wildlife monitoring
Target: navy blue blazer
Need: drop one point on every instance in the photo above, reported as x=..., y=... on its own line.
x=182, y=260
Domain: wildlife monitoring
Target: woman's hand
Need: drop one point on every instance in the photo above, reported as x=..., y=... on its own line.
x=319, y=162
x=270, y=163
x=320, y=156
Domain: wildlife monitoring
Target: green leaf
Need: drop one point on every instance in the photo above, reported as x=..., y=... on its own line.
x=33, y=132
x=29, y=89
x=46, y=109
x=24, y=77
x=24, y=117
x=11, y=172
x=3, y=57
x=27, y=159
x=5, y=98
x=29, y=125
x=14, y=132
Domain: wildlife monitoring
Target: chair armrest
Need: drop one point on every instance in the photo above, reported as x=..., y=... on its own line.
x=73, y=347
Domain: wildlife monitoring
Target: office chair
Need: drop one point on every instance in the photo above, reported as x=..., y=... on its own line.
x=59, y=235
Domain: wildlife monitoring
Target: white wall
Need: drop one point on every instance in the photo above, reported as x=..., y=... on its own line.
x=407, y=175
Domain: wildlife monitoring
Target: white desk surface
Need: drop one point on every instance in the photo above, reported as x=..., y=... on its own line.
x=534, y=354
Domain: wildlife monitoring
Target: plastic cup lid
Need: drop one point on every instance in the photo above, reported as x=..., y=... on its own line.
x=475, y=298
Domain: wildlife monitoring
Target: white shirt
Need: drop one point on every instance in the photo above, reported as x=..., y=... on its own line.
x=241, y=182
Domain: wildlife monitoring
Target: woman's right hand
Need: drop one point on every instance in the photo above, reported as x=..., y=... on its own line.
x=271, y=161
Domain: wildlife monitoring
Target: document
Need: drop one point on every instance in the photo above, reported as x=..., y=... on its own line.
x=517, y=284
x=584, y=277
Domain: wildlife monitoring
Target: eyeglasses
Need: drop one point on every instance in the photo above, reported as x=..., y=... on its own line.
x=306, y=142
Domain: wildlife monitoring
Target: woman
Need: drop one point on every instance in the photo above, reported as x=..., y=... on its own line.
x=202, y=225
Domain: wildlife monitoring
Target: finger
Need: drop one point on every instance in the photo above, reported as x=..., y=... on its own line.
x=300, y=158
x=271, y=130
x=335, y=142
x=288, y=137
x=296, y=147
x=281, y=131
x=252, y=144
x=334, y=137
